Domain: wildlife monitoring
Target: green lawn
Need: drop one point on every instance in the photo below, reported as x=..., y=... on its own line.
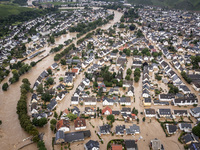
x=58, y=3
x=9, y=9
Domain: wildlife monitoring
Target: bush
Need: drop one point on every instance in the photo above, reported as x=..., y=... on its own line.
x=5, y=86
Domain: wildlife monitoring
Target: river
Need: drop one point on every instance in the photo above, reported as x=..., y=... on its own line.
x=11, y=133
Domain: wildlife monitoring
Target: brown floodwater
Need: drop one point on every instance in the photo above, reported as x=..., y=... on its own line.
x=11, y=133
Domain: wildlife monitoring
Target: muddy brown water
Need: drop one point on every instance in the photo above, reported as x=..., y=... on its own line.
x=11, y=133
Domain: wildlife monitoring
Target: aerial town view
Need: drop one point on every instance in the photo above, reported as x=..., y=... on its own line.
x=99, y=75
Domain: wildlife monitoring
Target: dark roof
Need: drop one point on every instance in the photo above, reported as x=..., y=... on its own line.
x=172, y=128
x=114, y=112
x=165, y=111
x=180, y=112
x=130, y=144
x=77, y=136
x=120, y=129
x=105, y=128
x=91, y=144
x=150, y=111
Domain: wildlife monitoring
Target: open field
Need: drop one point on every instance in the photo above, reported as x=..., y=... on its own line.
x=8, y=9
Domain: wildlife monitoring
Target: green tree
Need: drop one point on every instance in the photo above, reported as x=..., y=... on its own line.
x=53, y=121
x=111, y=118
x=61, y=79
x=63, y=62
x=5, y=86
x=71, y=116
x=127, y=77
x=50, y=81
x=49, y=71
x=40, y=89
x=46, y=96
x=33, y=63
x=55, y=115
x=129, y=71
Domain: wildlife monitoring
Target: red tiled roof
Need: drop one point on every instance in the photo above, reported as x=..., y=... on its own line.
x=74, y=70
x=117, y=147
x=79, y=122
x=107, y=109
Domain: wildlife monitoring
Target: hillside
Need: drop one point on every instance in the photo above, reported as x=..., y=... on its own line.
x=177, y=4
x=7, y=10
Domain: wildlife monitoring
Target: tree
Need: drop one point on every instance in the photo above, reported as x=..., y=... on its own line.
x=61, y=79
x=196, y=130
x=127, y=77
x=40, y=89
x=5, y=86
x=111, y=118
x=55, y=115
x=50, y=81
x=132, y=27
x=143, y=119
x=53, y=121
x=33, y=63
x=134, y=111
x=46, y=96
x=63, y=62
x=71, y=116
x=49, y=71
x=129, y=71
x=39, y=122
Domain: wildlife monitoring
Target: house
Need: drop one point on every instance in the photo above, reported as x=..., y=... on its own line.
x=52, y=104
x=181, y=113
x=90, y=101
x=75, y=111
x=68, y=81
x=119, y=130
x=127, y=83
x=107, y=111
x=186, y=100
x=54, y=66
x=156, y=144
x=108, y=101
x=105, y=129
x=60, y=87
x=171, y=129
x=190, y=138
x=131, y=145
x=60, y=96
x=62, y=137
x=150, y=112
x=64, y=114
x=196, y=86
x=116, y=147
x=195, y=112
x=70, y=74
x=147, y=101
x=166, y=97
x=74, y=100
x=126, y=110
x=134, y=129
x=130, y=91
x=92, y=145
x=194, y=146
x=137, y=64
x=184, y=89
x=63, y=125
x=115, y=112
x=185, y=127
x=75, y=70
x=86, y=82
x=81, y=86
x=164, y=113
x=90, y=110
x=34, y=107
x=125, y=101
x=114, y=90
x=145, y=93
x=79, y=124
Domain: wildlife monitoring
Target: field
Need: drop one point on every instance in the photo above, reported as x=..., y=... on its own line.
x=178, y=4
x=58, y=3
x=7, y=10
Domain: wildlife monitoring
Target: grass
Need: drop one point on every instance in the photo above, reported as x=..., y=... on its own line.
x=11, y=9
x=58, y=3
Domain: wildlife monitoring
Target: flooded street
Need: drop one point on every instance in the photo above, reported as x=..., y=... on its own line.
x=11, y=133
